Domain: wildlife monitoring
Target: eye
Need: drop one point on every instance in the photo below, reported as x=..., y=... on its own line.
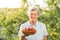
x=34, y=14
x=31, y=13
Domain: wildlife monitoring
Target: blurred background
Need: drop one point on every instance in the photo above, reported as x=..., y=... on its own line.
x=12, y=18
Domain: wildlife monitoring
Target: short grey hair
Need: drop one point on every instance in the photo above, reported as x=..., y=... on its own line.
x=33, y=9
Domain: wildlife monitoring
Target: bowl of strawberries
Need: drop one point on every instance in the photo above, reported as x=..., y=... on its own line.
x=29, y=31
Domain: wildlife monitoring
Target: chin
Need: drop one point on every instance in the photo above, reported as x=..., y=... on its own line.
x=32, y=19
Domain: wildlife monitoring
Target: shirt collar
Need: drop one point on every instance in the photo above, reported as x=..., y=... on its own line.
x=34, y=24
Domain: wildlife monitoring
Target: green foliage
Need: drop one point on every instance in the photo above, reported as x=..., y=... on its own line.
x=10, y=21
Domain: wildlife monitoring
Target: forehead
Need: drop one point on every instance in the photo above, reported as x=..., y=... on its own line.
x=35, y=11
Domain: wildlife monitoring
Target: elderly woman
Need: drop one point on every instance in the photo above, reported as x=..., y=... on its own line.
x=40, y=28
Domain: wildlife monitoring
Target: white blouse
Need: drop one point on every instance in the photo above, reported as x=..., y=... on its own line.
x=41, y=31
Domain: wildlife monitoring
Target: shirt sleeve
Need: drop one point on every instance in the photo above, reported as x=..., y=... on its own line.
x=20, y=32
x=45, y=33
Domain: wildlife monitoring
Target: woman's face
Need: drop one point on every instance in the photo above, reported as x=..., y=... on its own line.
x=33, y=15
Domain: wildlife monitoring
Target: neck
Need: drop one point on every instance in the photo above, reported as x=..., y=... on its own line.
x=32, y=22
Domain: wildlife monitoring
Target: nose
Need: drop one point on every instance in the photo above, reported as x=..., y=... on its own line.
x=33, y=15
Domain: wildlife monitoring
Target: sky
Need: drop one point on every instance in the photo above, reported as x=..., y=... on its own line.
x=17, y=3
x=10, y=3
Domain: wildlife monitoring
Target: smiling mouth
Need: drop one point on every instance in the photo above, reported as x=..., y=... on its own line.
x=32, y=17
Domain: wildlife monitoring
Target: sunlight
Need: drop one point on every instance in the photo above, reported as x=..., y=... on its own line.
x=10, y=3
x=41, y=3
x=17, y=3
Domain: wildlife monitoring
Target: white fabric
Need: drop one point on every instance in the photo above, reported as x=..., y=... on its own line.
x=41, y=31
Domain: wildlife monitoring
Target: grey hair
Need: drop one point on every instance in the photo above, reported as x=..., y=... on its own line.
x=33, y=9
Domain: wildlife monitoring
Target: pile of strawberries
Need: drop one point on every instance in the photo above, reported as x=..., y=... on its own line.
x=28, y=31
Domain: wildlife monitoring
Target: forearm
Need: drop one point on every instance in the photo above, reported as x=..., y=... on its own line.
x=23, y=38
x=45, y=38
